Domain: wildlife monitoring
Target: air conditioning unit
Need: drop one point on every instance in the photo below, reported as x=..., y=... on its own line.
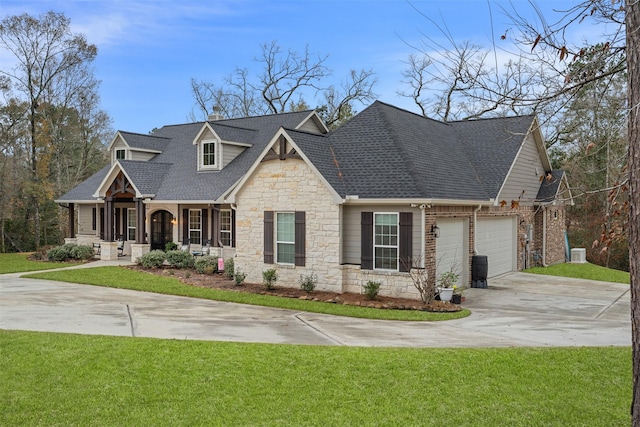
x=579, y=255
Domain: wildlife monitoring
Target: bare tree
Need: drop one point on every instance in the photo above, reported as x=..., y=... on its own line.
x=285, y=78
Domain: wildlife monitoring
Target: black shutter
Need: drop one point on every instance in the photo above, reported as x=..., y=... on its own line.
x=205, y=226
x=233, y=228
x=366, y=241
x=185, y=226
x=406, y=241
x=125, y=225
x=101, y=223
x=117, y=221
x=93, y=219
x=300, y=238
x=268, y=237
x=215, y=226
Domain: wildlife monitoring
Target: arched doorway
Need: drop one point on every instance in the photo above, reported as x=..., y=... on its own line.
x=161, y=229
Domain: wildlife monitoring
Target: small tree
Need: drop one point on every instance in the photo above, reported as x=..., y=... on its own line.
x=422, y=280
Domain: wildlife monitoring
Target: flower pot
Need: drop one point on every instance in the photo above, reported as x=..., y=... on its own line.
x=445, y=294
x=456, y=298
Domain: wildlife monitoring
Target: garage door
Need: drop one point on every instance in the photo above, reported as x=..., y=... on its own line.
x=452, y=248
x=496, y=238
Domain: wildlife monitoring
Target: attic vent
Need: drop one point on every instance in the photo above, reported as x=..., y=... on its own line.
x=215, y=115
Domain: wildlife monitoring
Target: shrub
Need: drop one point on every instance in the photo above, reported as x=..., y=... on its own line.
x=239, y=277
x=206, y=264
x=153, y=259
x=170, y=246
x=58, y=254
x=82, y=252
x=371, y=289
x=180, y=259
x=229, y=267
x=308, y=282
x=269, y=278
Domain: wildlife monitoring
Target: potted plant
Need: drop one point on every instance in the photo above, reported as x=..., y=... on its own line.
x=457, y=294
x=446, y=282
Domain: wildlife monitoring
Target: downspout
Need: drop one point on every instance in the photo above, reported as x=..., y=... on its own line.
x=544, y=236
x=475, y=221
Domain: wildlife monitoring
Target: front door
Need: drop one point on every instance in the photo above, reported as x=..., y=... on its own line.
x=161, y=229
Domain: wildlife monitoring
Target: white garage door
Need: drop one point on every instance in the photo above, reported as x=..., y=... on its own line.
x=452, y=248
x=496, y=238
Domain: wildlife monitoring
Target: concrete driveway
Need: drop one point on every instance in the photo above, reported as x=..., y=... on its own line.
x=516, y=310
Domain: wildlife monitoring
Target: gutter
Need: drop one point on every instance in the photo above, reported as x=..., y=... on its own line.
x=475, y=228
x=355, y=200
x=544, y=236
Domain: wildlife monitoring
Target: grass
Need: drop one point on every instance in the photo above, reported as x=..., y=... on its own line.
x=583, y=271
x=75, y=380
x=119, y=277
x=18, y=262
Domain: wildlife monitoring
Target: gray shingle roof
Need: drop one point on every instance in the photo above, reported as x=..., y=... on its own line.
x=548, y=191
x=173, y=174
x=386, y=152
x=146, y=142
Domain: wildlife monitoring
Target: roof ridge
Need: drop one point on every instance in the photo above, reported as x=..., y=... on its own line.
x=518, y=116
x=142, y=134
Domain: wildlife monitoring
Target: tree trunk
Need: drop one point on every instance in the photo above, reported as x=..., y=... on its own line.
x=633, y=76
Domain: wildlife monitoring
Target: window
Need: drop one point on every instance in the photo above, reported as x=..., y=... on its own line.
x=285, y=238
x=208, y=154
x=195, y=226
x=385, y=242
x=289, y=242
x=121, y=154
x=225, y=227
x=131, y=224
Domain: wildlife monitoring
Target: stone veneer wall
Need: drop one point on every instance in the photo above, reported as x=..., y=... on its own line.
x=286, y=186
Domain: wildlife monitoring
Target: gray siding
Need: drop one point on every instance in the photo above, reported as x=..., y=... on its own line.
x=351, y=229
x=525, y=175
x=230, y=152
x=310, y=126
x=85, y=219
x=140, y=156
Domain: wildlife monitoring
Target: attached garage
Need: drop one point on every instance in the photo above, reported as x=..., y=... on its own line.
x=496, y=238
x=452, y=247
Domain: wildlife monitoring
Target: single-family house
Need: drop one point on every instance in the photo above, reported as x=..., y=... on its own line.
x=387, y=191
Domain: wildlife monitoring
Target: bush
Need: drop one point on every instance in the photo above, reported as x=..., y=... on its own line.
x=371, y=289
x=308, y=282
x=229, y=267
x=59, y=254
x=82, y=252
x=239, y=277
x=207, y=264
x=180, y=259
x=269, y=278
x=170, y=246
x=153, y=259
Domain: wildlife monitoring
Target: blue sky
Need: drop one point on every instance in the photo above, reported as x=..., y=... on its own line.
x=148, y=50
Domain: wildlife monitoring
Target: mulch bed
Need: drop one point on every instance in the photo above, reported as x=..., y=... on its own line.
x=220, y=281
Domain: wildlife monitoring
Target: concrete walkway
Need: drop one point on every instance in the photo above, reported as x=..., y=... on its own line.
x=516, y=310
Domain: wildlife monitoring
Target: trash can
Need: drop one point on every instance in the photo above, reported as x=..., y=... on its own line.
x=479, y=271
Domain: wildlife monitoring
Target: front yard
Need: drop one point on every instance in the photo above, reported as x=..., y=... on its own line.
x=74, y=380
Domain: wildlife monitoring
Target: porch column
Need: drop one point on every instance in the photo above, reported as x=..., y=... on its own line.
x=140, y=221
x=72, y=221
x=109, y=212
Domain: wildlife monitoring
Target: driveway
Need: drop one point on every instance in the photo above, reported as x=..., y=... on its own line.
x=517, y=309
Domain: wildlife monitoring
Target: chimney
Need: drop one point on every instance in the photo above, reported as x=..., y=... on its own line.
x=216, y=115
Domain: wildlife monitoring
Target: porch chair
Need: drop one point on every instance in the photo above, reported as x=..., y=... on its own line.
x=121, y=246
x=206, y=249
x=185, y=245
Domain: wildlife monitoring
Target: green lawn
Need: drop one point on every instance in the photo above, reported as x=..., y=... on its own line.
x=583, y=271
x=120, y=277
x=75, y=380
x=16, y=263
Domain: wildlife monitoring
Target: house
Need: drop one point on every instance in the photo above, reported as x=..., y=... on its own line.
x=387, y=191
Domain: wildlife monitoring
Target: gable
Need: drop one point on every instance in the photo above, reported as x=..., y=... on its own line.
x=523, y=181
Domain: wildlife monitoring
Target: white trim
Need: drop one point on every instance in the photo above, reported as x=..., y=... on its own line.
x=276, y=241
x=428, y=203
x=199, y=230
x=230, y=231
x=205, y=127
x=111, y=175
x=217, y=153
x=317, y=120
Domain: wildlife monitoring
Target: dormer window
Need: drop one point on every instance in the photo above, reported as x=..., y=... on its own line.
x=208, y=154
x=121, y=154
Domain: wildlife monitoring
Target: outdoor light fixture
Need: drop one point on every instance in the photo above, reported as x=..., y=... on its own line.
x=174, y=221
x=435, y=231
